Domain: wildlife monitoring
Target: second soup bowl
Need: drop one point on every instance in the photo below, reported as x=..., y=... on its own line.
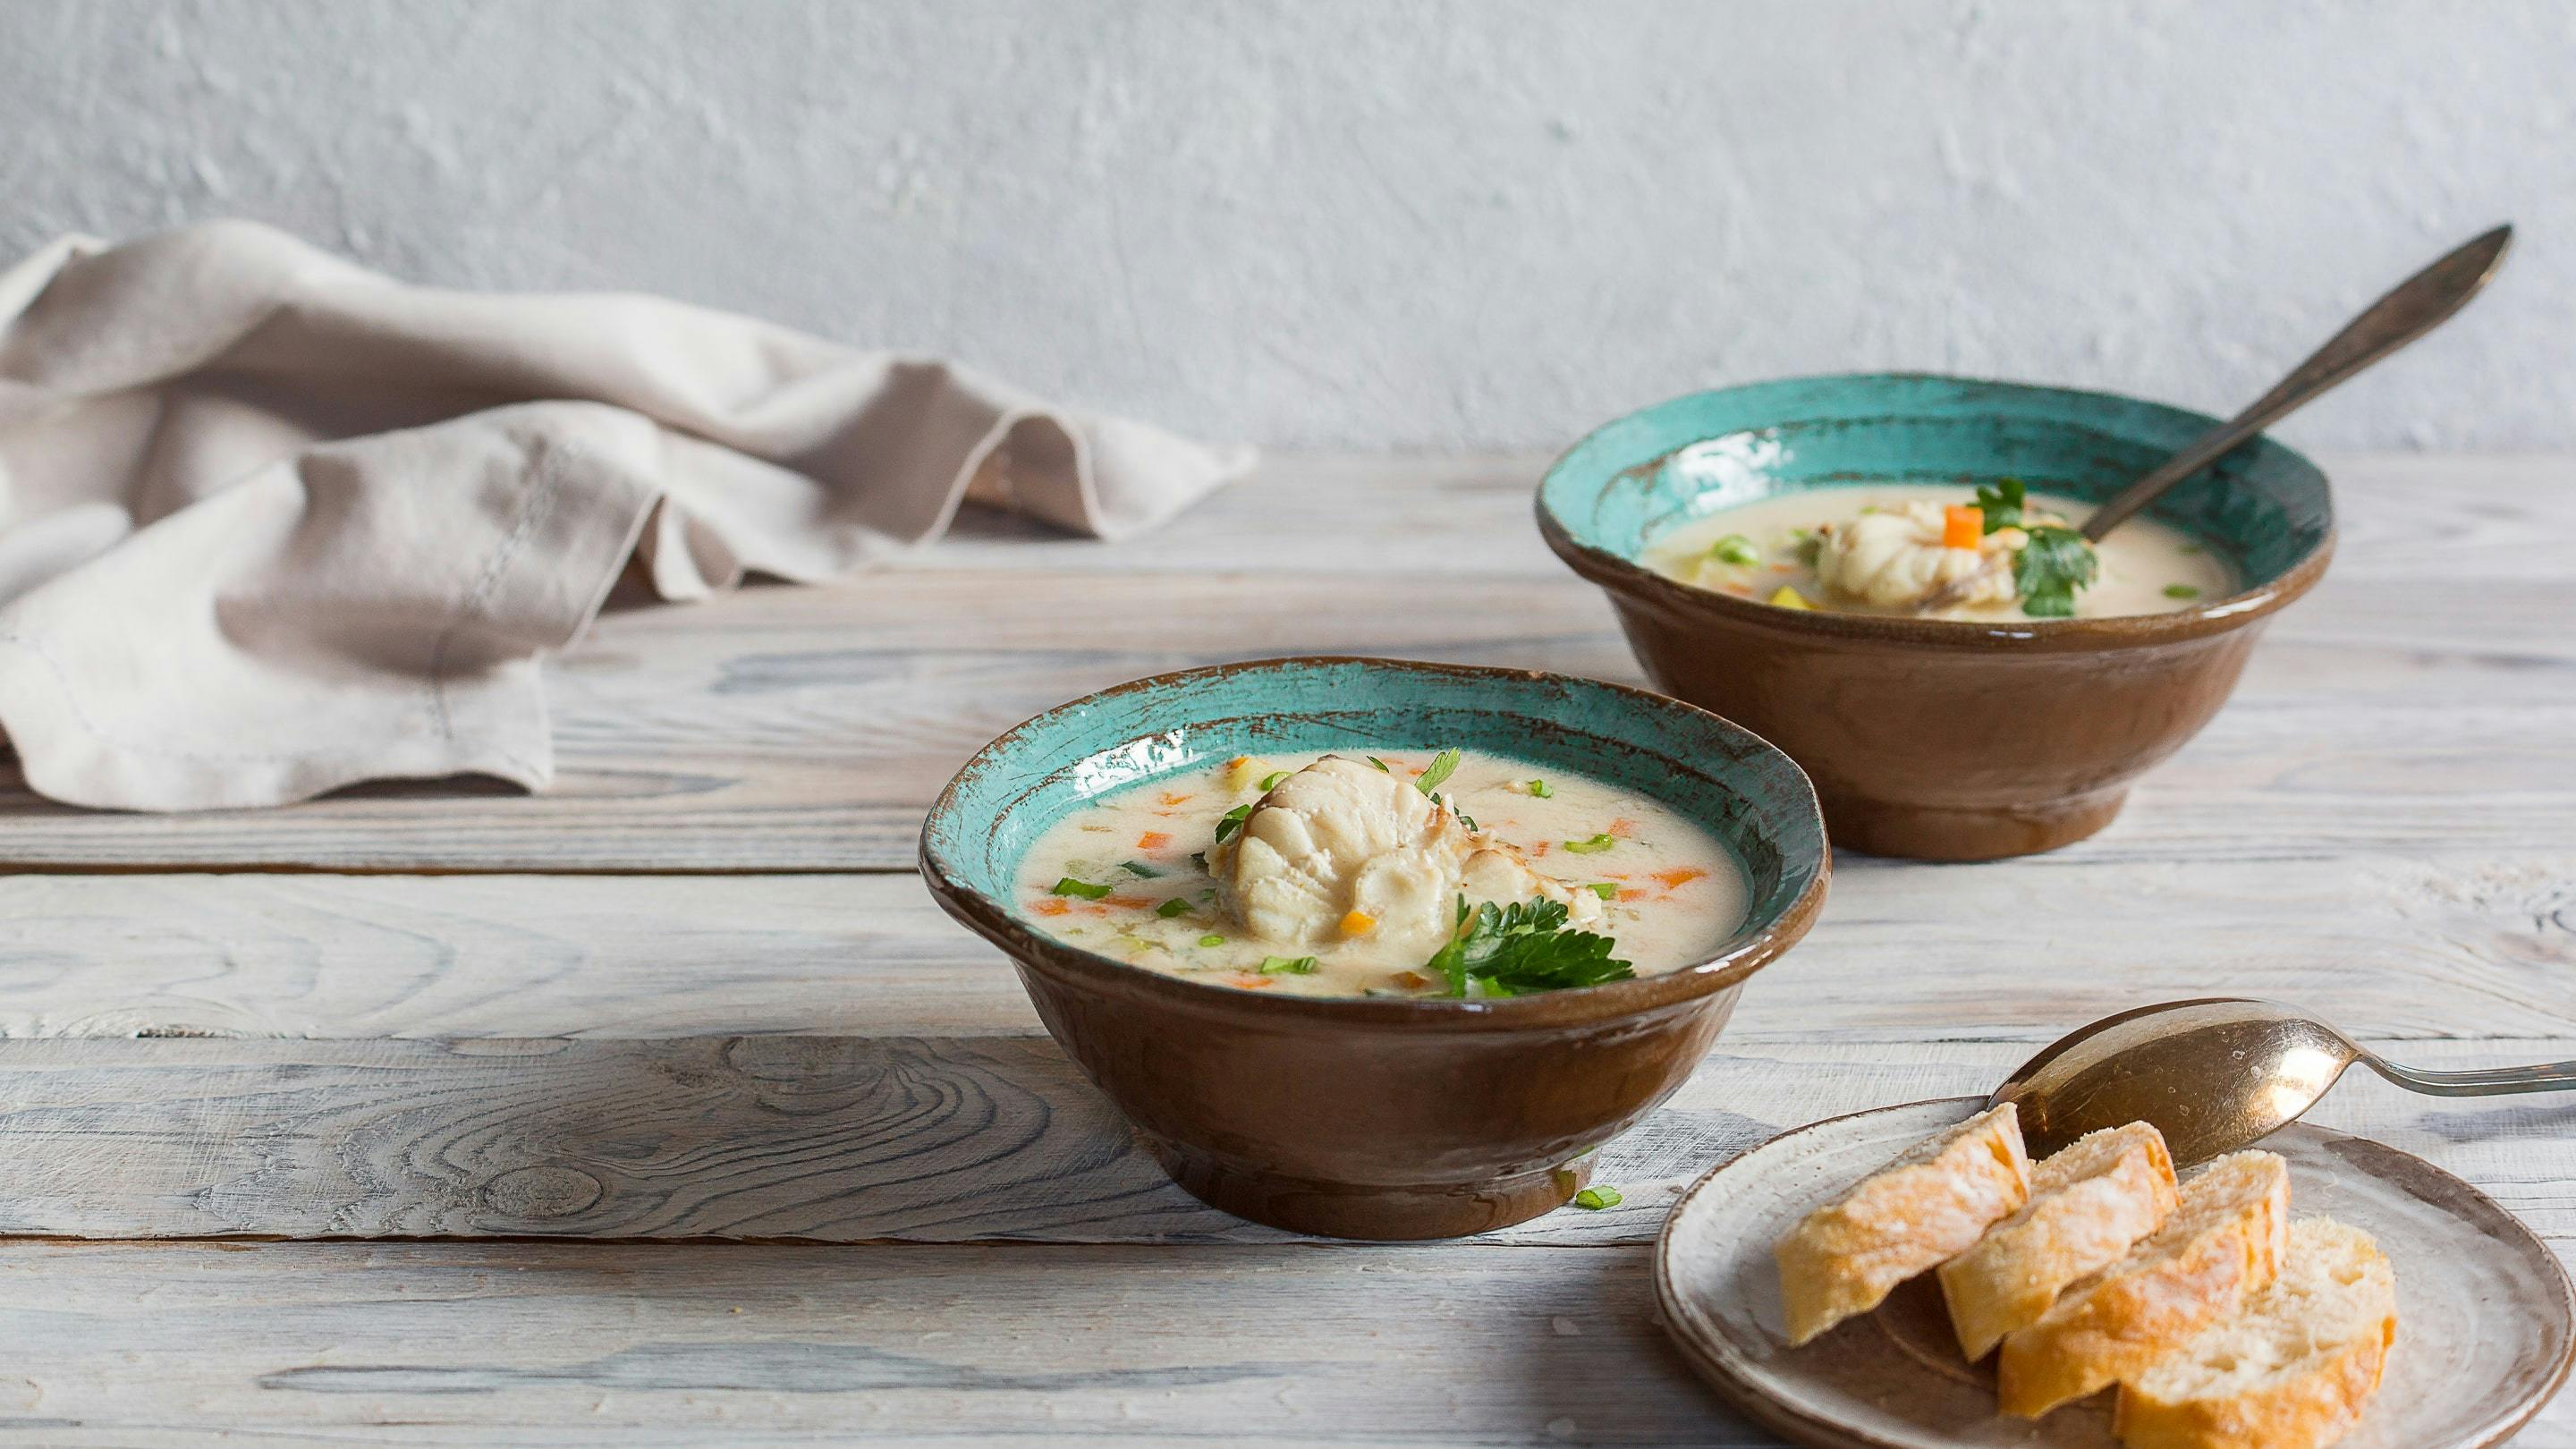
x=1938, y=739
x=1378, y=1117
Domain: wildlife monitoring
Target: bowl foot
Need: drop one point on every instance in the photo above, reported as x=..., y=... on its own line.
x=1923, y=832
x=1372, y=1212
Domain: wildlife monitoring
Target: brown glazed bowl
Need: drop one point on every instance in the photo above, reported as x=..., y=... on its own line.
x=1937, y=739
x=1377, y=1118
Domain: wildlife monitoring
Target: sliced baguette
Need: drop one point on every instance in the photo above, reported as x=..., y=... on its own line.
x=1927, y=1205
x=2294, y=1371
x=2088, y=1203
x=2221, y=1246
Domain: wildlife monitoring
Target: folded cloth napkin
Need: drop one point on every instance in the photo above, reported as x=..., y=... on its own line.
x=271, y=523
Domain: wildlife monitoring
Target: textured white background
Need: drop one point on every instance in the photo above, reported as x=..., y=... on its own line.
x=1394, y=222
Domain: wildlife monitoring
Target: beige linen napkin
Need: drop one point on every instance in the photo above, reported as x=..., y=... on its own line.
x=271, y=523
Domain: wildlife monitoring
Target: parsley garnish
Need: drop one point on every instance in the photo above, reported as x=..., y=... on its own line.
x=1597, y=1198
x=1230, y=822
x=1271, y=781
x=1171, y=908
x=1541, y=789
x=1287, y=966
x=1443, y=765
x=1071, y=887
x=2001, y=504
x=1140, y=870
x=1594, y=846
x=2050, y=568
x=1523, y=947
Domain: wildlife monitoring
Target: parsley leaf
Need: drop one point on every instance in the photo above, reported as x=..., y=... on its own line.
x=2050, y=568
x=1071, y=887
x=1523, y=947
x=1443, y=765
x=1287, y=966
x=1230, y=822
x=2001, y=504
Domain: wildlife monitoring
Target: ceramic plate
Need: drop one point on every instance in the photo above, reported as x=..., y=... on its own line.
x=2486, y=1325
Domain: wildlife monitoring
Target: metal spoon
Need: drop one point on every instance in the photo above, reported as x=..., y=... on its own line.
x=2214, y=1074
x=2414, y=307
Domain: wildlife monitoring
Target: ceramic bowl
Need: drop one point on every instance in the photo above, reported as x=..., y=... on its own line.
x=1378, y=1118
x=1937, y=739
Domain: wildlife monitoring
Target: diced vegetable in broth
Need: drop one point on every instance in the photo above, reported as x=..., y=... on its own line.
x=1347, y=875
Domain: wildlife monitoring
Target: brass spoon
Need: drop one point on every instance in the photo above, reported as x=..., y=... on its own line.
x=2214, y=1074
x=2414, y=307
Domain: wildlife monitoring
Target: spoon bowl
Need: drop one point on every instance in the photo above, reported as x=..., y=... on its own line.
x=2214, y=1074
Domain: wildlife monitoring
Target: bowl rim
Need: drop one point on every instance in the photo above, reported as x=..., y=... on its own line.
x=2217, y=616
x=1739, y=957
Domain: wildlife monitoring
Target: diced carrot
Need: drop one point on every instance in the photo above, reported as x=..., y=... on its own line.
x=1632, y=895
x=1152, y=840
x=1541, y=847
x=1623, y=827
x=1250, y=982
x=1410, y=980
x=1358, y=923
x=1679, y=876
x=1171, y=799
x=1050, y=905
x=1962, y=525
x=1131, y=903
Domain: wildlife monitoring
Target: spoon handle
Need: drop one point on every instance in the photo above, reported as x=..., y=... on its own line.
x=2493, y=1081
x=2414, y=307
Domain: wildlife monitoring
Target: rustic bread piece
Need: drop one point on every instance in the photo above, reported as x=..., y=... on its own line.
x=1928, y=1204
x=2293, y=1371
x=2089, y=1202
x=2221, y=1246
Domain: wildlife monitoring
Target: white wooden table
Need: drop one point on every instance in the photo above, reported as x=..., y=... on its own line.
x=666, y=1109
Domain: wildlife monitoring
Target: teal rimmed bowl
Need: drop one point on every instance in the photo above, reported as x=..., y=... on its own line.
x=1377, y=1117
x=1935, y=738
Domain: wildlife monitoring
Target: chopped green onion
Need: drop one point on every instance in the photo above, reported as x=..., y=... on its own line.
x=1468, y=820
x=1287, y=966
x=1171, y=908
x=1271, y=781
x=1597, y=1198
x=1541, y=789
x=1071, y=887
x=2181, y=591
x=1140, y=870
x=1735, y=548
x=1230, y=822
x=1594, y=846
x=1374, y=760
x=1211, y=939
x=1443, y=765
x=1604, y=889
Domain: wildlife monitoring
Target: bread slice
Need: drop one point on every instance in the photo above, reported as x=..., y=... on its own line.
x=2293, y=1371
x=2089, y=1202
x=1934, y=1201
x=2221, y=1246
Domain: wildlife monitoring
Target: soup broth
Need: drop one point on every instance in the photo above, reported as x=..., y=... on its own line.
x=1129, y=875
x=1775, y=551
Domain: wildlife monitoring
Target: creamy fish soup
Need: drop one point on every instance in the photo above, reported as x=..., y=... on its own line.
x=1385, y=874
x=1885, y=548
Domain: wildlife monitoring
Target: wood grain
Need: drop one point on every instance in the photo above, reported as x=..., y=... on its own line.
x=2393, y=947
x=2419, y=701
x=587, y=1344
x=913, y=1139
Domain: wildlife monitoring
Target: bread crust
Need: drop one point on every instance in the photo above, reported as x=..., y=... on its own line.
x=2089, y=1202
x=2306, y=1409
x=2222, y=1245
x=1927, y=1206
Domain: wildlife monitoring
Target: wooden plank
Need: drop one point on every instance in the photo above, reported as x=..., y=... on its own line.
x=2418, y=703
x=913, y=1139
x=2396, y=948
x=632, y=1344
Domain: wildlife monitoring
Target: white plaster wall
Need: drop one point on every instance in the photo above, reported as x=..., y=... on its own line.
x=1394, y=222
